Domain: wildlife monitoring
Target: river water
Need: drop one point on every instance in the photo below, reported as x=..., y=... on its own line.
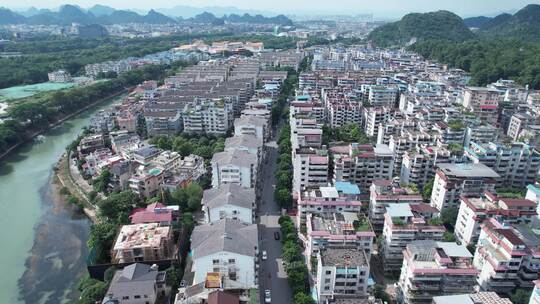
x=43, y=242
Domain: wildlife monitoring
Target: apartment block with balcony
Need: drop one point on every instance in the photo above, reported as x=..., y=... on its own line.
x=374, y=117
x=143, y=242
x=207, y=116
x=383, y=192
x=507, y=256
x=432, y=269
x=452, y=181
x=483, y=102
x=517, y=164
x=252, y=125
x=310, y=169
x=418, y=164
x=362, y=164
x=236, y=166
x=229, y=201
x=341, y=273
x=404, y=223
x=337, y=230
x=226, y=247
x=473, y=298
x=473, y=212
x=328, y=199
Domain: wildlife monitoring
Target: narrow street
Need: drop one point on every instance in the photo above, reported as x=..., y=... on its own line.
x=272, y=275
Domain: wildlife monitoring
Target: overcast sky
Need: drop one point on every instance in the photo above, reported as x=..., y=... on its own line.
x=381, y=8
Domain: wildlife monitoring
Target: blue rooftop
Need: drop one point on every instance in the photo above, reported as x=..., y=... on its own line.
x=302, y=97
x=534, y=189
x=347, y=188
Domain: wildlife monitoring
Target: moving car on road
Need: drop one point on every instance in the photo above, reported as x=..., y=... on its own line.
x=276, y=235
x=267, y=296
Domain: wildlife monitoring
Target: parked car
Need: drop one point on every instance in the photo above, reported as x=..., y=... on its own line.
x=264, y=256
x=267, y=296
x=276, y=235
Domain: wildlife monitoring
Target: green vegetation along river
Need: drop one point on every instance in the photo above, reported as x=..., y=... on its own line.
x=44, y=241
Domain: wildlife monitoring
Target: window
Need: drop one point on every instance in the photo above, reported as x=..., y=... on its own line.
x=328, y=272
x=125, y=298
x=137, y=296
x=232, y=261
x=327, y=280
x=215, y=262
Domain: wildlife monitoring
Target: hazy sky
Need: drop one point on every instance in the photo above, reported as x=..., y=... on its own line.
x=381, y=8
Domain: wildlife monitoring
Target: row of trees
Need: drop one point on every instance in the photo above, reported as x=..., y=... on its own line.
x=185, y=144
x=488, y=60
x=295, y=266
x=72, y=54
x=36, y=113
x=284, y=172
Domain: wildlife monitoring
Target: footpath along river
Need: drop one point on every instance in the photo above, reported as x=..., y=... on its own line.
x=43, y=241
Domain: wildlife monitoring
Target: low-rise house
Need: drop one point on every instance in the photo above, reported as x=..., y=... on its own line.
x=227, y=247
x=143, y=242
x=91, y=143
x=229, y=201
x=155, y=213
x=146, y=182
x=341, y=273
x=136, y=284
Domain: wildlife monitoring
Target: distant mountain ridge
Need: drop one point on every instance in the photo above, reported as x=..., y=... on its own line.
x=440, y=25
x=101, y=14
x=523, y=25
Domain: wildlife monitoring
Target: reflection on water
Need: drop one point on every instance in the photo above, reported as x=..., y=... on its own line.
x=58, y=255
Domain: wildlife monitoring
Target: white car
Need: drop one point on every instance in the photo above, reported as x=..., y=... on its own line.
x=267, y=297
x=264, y=255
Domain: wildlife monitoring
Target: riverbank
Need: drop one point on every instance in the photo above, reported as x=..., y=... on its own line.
x=47, y=237
x=33, y=135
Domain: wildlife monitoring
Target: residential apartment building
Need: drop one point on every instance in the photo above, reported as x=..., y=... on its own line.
x=432, y=269
x=517, y=164
x=230, y=201
x=384, y=192
x=60, y=76
x=362, y=164
x=310, y=169
x=473, y=212
x=483, y=102
x=226, y=247
x=374, y=117
x=252, y=125
x=341, y=273
x=207, y=116
x=336, y=230
x=236, y=166
x=452, y=181
x=419, y=164
x=342, y=197
x=143, y=242
x=473, y=298
x=507, y=257
x=382, y=96
x=404, y=223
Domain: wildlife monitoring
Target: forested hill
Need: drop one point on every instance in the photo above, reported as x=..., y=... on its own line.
x=440, y=25
x=488, y=60
x=523, y=25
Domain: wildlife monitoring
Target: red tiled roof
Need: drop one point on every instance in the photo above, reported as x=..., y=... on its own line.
x=518, y=202
x=221, y=297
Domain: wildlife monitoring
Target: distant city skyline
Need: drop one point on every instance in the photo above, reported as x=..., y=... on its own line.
x=380, y=9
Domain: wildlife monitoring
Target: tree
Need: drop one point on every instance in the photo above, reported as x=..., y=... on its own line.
x=302, y=298
x=449, y=237
x=102, y=182
x=380, y=293
x=283, y=197
x=449, y=217
x=118, y=205
x=520, y=296
x=428, y=189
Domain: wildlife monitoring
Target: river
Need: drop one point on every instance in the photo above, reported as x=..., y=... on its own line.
x=44, y=240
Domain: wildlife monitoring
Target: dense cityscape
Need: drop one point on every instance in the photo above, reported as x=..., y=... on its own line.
x=227, y=158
